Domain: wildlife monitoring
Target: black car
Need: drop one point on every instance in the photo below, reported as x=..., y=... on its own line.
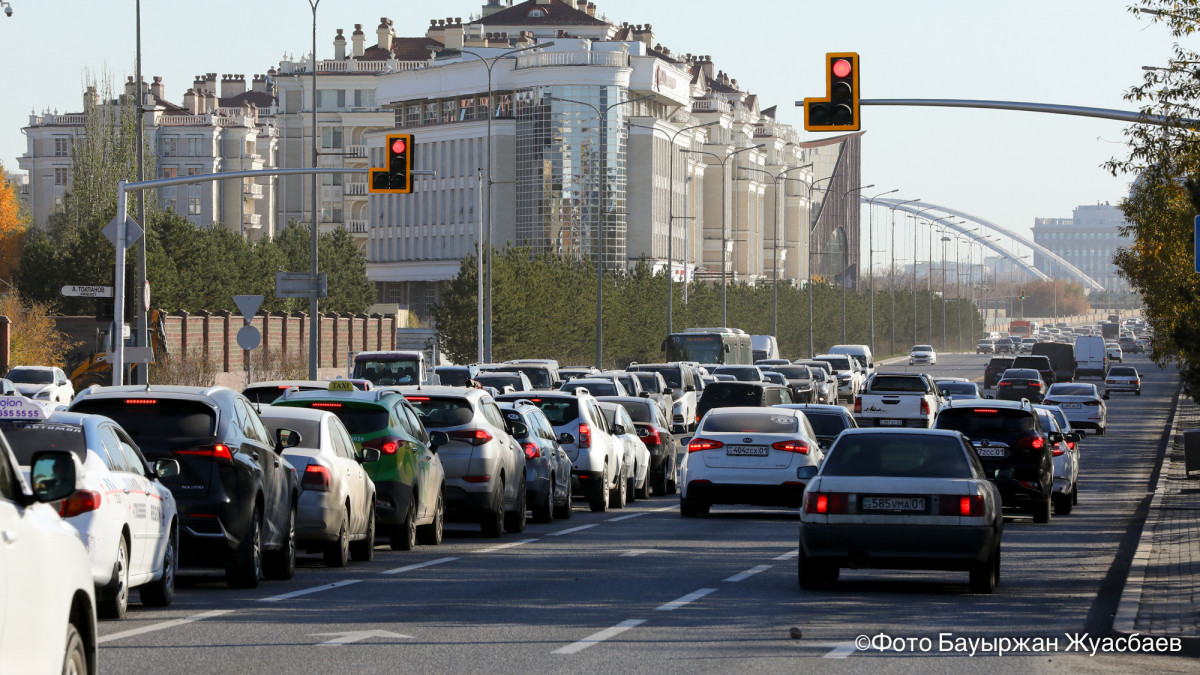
x=235, y=493
x=799, y=380
x=1062, y=359
x=995, y=368
x=1040, y=363
x=827, y=421
x=1021, y=383
x=655, y=434
x=736, y=394
x=1003, y=346
x=1014, y=448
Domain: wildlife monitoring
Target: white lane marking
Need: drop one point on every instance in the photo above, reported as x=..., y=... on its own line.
x=599, y=636
x=789, y=555
x=665, y=508
x=749, y=573
x=569, y=530
x=317, y=589
x=680, y=602
x=427, y=563
x=632, y=515
x=164, y=625
x=636, y=552
x=840, y=650
x=356, y=636
x=501, y=547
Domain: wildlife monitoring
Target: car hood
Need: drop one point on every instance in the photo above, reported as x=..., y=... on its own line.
x=32, y=390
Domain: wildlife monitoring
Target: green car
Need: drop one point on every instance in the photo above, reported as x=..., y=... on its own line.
x=410, y=484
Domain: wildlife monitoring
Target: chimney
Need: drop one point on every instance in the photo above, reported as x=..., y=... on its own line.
x=91, y=98
x=357, y=40
x=591, y=9
x=232, y=85
x=260, y=84
x=190, y=102
x=130, y=87
x=706, y=67
x=158, y=89
x=385, y=33
x=339, y=46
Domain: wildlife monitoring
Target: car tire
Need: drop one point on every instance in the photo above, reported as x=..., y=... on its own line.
x=363, y=550
x=75, y=661
x=403, y=537
x=986, y=574
x=631, y=491
x=1100, y=430
x=281, y=564
x=692, y=509
x=544, y=512
x=115, y=604
x=617, y=498
x=337, y=552
x=492, y=522
x=1062, y=504
x=660, y=480
x=514, y=521
x=431, y=534
x=1138, y=392
x=644, y=492
x=161, y=592
x=563, y=511
x=249, y=570
x=814, y=574
x=1041, y=512
x=599, y=498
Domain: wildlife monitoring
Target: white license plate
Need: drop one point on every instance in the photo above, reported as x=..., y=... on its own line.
x=747, y=450
x=1073, y=406
x=893, y=503
x=990, y=452
x=891, y=423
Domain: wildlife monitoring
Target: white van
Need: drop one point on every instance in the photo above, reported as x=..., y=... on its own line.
x=861, y=353
x=1091, y=356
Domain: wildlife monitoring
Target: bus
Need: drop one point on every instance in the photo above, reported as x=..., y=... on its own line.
x=710, y=345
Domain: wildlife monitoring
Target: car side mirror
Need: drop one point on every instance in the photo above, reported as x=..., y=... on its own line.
x=690, y=387
x=369, y=455
x=557, y=384
x=166, y=468
x=518, y=429
x=437, y=439
x=566, y=438
x=945, y=392
x=1107, y=396
x=1056, y=437
x=645, y=394
x=52, y=475
x=1073, y=437
x=989, y=396
x=618, y=429
x=286, y=438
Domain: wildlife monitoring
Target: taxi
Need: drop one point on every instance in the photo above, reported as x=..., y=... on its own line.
x=125, y=517
x=410, y=483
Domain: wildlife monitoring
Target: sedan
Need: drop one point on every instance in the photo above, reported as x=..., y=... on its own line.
x=1114, y=352
x=953, y=389
x=1064, y=444
x=1122, y=378
x=42, y=383
x=901, y=499
x=922, y=355
x=1020, y=383
x=1081, y=403
x=740, y=455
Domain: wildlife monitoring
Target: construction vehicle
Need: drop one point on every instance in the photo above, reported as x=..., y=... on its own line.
x=90, y=366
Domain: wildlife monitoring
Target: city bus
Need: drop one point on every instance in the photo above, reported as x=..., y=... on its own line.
x=710, y=345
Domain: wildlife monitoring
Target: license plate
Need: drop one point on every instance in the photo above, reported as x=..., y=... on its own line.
x=747, y=450
x=891, y=423
x=893, y=503
x=990, y=452
x=1073, y=406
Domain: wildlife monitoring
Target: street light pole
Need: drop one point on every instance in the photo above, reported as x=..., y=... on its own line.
x=846, y=254
x=871, y=256
x=812, y=228
x=892, y=268
x=775, y=179
x=314, y=322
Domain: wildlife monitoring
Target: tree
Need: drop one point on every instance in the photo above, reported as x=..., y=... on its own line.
x=1054, y=298
x=33, y=341
x=14, y=225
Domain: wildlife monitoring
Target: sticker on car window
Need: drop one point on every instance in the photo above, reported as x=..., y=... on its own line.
x=779, y=419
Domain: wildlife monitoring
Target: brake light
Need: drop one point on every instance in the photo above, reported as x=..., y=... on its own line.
x=1035, y=385
x=321, y=404
x=701, y=444
x=316, y=477
x=1005, y=383
x=1071, y=444
x=1092, y=403
x=986, y=411
x=924, y=406
x=218, y=451
x=824, y=503
x=1047, y=401
x=1031, y=443
x=387, y=445
x=969, y=505
x=1110, y=382
x=420, y=399
x=650, y=436
x=471, y=436
x=531, y=450
x=857, y=405
x=80, y=502
x=535, y=400
x=140, y=401
x=791, y=446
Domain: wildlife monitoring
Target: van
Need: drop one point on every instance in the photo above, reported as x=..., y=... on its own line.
x=861, y=353
x=1091, y=356
x=1062, y=358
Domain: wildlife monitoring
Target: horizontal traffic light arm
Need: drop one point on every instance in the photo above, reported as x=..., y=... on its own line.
x=1053, y=108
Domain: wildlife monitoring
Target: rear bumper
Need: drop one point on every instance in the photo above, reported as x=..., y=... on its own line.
x=391, y=501
x=951, y=547
x=791, y=494
x=921, y=423
x=318, y=516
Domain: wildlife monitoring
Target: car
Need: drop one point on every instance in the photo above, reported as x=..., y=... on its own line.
x=596, y=385
x=1062, y=360
x=1082, y=404
x=741, y=373
x=861, y=353
x=800, y=379
x=547, y=466
x=1021, y=383
x=957, y=388
x=985, y=347
x=484, y=466
x=335, y=515
x=1130, y=345
x=748, y=455
x=637, y=455
x=409, y=478
x=456, y=376
x=922, y=355
x=542, y=375
x=685, y=386
x=994, y=369
x=1026, y=345
x=42, y=383
x=1115, y=355
x=235, y=493
x=849, y=375
x=1040, y=363
x=828, y=391
x=827, y=421
x=908, y=499
x=774, y=377
x=266, y=393
x=1004, y=345
x=1091, y=356
x=655, y=433
x=48, y=616
x=1012, y=445
x=569, y=372
x=655, y=388
x=598, y=469
x=512, y=380
x=1065, y=453
x=631, y=383
x=1122, y=378
x=729, y=394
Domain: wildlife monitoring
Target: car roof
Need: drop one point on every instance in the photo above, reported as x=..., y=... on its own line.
x=293, y=412
x=294, y=383
x=171, y=390
x=439, y=390
x=972, y=403
x=30, y=368
x=952, y=379
x=754, y=410
x=815, y=407
x=374, y=396
x=923, y=432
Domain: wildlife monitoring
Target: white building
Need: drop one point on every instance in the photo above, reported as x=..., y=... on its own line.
x=1088, y=240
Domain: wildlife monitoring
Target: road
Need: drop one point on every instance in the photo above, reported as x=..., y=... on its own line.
x=641, y=589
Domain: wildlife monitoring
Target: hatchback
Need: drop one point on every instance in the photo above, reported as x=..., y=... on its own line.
x=1082, y=404
x=1123, y=378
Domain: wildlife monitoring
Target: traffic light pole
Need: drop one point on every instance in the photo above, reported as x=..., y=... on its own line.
x=1080, y=111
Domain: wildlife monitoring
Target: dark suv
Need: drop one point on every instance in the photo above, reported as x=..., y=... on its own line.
x=995, y=368
x=735, y=394
x=235, y=492
x=1014, y=447
x=1040, y=363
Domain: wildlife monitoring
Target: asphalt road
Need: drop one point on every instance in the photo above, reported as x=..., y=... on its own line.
x=641, y=589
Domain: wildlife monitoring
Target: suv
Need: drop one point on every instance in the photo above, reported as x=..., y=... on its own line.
x=995, y=368
x=741, y=394
x=685, y=386
x=547, y=467
x=543, y=376
x=847, y=372
x=1040, y=363
x=235, y=493
x=598, y=468
x=1014, y=447
x=1062, y=359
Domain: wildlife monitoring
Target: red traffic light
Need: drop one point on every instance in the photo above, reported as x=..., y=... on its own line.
x=841, y=68
x=398, y=145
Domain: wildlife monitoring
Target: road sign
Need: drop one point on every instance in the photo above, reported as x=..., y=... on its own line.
x=248, y=337
x=87, y=291
x=248, y=304
x=112, y=230
x=299, y=284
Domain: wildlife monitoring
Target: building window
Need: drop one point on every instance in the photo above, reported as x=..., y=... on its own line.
x=364, y=98
x=331, y=213
x=170, y=172
x=168, y=204
x=331, y=99
x=193, y=171
x=331, y=137
x=331, y=179
x=193, y=147
x=62, y=147
x=193, y=206
x=170, y=147
x=61, y=175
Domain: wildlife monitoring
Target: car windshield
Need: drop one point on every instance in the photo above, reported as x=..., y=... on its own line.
x=358, y=418
x=28, y=438
x=985, y=422
x=905, y=383
x=959, y=388
x=442, y=411
x=453, y=377
x=649, y=382
x=826, y=423
x=922, y=348
x=1071, y=390
x=897, y=455
x=539, y=376
x=30, y=376
x=500, y=380
x=792, y=372
x=559, y=411
x=743, y=422
x=1123, y=371
x=669, y=373
x=730, y=394
x=838, y=362
x=158, y=426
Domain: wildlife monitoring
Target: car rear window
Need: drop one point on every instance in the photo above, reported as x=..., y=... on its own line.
x=453, y=377
x=559, y=410
x=1123, y=371
x=766, y=423
x=594, y=387
x=898, y=455
x=442, y=411
x=538, y=376
x=266, y=395
x=792, y=372
x=985, y=422
x=649, y=382
x=959, y=387
x=638, y=412
x=358, y=418
x=500, y=380
x=1022, y=374
x=1071, y=390
x=826, y=424
x=897, y=383
x=1000, y=364
x=740, y=372
x=669, y=373
x=731, y=394
x=28, y=438
x=157, y=425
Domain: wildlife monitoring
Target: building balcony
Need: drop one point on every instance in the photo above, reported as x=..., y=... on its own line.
x=348, y=66
x=356, y=226
x=253, y=220
x=355, y=151
x=356, y=189
x=710, y=105
x=252, y=190
x=575, y=58
x=75, y=120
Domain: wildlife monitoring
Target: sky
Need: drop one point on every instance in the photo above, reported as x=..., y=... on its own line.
x=1007, y=167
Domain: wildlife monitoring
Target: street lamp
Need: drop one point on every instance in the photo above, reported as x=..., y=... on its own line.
x=8, y=9
x=313, y=320
x=724, y=188
x=775, y=178
x=892, y=269
x=913, y=282
x=812, y=228
x=846, y=254
x=871, y=255
x=602, y=118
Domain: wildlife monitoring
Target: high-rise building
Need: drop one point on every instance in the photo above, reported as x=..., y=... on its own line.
x=1088, y=240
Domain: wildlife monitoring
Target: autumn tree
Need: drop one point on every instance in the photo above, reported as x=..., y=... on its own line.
x=1054, y=298
x=14, y=224
x=33, y=340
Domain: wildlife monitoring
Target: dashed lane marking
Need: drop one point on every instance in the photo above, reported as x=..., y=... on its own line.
x=501, y=547
x=306, y=591
x=417, y=566
x=680, y=602
x=840, y=650
x=627, y=517
x=569, y=530
x=599, y=636
x=789, y=555
x=164, y=625
x=748, y=573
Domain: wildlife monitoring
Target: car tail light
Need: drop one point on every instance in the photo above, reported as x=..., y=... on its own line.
x=80, y=502
x=386, y=445
x=650, y=436
x=531, y=450
x=857, y=405
x=140, y=401
x=1047, y=401
x=1071, y=444
x=477, y=479
x=1031, y=443
x=1035, y=385
x=701, y=444
x=791, y=446
x=1110, y=382
x=1030, y=484
x=986, y=411
x=471, y=436
x=1093, y=402
x=322, y=404
x=1005, y=383
x=1058, y=450
x=316, y=477
x=218, y=451
x=585, y=436
x=419, y=399
x=924, y=406
x=824, y=503
x=961, y=505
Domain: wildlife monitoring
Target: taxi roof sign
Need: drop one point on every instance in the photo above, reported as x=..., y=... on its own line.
x=341, y=385
x=22, y=409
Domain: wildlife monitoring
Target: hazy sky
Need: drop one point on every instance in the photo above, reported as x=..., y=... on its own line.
x=1008, y=167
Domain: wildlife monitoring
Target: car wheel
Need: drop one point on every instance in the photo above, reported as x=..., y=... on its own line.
x=363, y=550
x=249, y=571
x=563, y=511
x=544, y=511
x=813, y=574
x=1100, y=430
x=404, y=535
x=617, y=498
x=1138, y=392
x=514, y=521
x=431, y=534
x=492, y=524
x=160, y=593
x=114, y=605
x=1062, y=504
x=75, y=662
x=337, y=552
x=691, y=509
x=631, y=491
x=1041, y=512
x=599, y=498
x=660, y=480
x=281, y=564
x=985, y=575
x=644, y=492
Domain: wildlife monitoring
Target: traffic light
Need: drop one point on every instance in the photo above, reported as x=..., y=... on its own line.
x=838, y=111
x=397, y=175
x=1022, y=293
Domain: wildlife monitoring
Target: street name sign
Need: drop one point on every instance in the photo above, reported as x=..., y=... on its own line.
x=87, y=291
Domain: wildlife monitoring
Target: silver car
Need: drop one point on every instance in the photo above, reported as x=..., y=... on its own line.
x=637, y=455
x=335, y=514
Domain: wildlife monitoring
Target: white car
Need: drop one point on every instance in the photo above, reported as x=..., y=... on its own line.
x=1081, y=403
x=43, y=383
x=848, y=373
x=124, y=516
x=637, y=455
x=1122, y=378
x=1115, y=355
x=922, y=355
x=48, y=612
x=748, y=455
x=1065, y=452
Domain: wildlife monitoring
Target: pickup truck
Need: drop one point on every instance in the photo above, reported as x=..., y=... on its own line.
x=897, y=400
